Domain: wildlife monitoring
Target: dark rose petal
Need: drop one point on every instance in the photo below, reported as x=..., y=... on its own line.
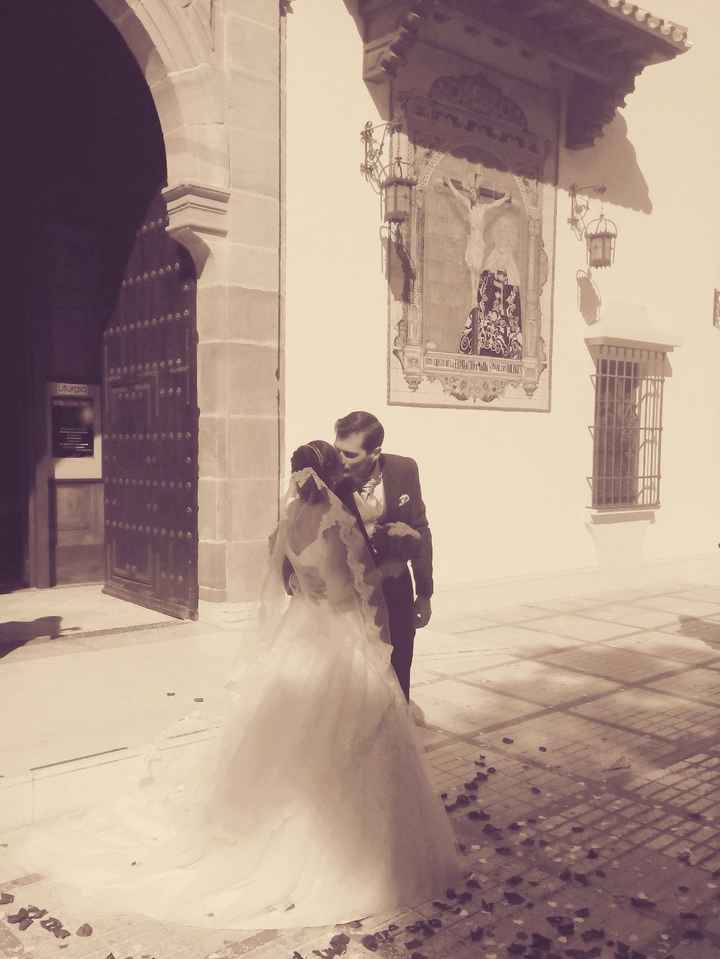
x=641, y=903
x=6, y=898
x=695, y=935
x=540, y=942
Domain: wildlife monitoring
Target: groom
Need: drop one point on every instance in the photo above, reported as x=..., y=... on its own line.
x=389, y=502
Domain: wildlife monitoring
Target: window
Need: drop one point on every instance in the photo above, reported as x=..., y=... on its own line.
x=628, y=426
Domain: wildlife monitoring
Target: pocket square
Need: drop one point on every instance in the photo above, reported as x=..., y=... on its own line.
x=403, y=499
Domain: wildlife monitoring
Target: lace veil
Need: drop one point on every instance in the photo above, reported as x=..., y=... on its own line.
x=313, y=516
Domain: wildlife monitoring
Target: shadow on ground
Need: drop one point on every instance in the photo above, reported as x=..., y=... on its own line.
x=17, y=633
x=703, y=629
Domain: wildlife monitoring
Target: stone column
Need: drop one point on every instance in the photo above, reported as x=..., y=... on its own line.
x=235, y=238
x=253, y=349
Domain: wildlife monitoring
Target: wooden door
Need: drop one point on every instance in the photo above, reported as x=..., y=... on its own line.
x=150, y=438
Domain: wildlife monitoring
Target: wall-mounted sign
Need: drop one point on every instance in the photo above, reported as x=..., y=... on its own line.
x=716, y=309
x=73, y=425
x=69, y=389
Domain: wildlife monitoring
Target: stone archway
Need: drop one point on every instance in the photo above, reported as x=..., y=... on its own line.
x=178, y=48
x=215, y=71
x=175, y=46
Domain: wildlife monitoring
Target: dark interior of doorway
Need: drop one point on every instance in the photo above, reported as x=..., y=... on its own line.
x=83, y=156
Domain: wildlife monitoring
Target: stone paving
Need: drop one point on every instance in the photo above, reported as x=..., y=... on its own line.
x=576, y=744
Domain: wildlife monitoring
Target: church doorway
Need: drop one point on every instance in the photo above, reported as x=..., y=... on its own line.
x=98, y=477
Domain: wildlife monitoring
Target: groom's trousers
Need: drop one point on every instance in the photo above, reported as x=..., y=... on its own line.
x=400, y=599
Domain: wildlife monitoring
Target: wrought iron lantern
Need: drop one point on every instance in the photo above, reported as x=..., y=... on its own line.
x=397, y=196
x=388, y=168
x=599, y=235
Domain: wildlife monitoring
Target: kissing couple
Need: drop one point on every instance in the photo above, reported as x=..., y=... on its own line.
x=312, y=806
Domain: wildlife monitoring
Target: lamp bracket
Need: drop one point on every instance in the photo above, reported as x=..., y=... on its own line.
x=579, y=207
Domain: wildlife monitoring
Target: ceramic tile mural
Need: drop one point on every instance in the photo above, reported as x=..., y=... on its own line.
x=471, y=323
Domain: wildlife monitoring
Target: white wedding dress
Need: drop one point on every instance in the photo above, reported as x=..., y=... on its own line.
x=313, y=805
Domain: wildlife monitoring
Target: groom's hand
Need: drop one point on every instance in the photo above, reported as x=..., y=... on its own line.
x=401, y=530
x=422, y=611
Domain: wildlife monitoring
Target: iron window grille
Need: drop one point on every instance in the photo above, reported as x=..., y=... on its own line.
x=627, y=431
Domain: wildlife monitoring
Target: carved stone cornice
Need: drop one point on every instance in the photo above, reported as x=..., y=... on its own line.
x=197, y=212
x=473, y=105
x=600, y=45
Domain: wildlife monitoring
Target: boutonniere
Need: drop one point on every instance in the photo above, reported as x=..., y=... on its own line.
x=403, y=499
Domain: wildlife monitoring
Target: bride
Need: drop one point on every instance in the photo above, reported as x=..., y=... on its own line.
x=313, y=805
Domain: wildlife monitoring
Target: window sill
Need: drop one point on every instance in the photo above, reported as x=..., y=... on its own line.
x=628, y=514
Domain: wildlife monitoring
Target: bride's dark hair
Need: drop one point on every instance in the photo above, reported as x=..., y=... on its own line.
x=319, y=456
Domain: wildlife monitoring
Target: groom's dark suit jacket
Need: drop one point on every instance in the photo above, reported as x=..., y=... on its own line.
x=403, y=504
